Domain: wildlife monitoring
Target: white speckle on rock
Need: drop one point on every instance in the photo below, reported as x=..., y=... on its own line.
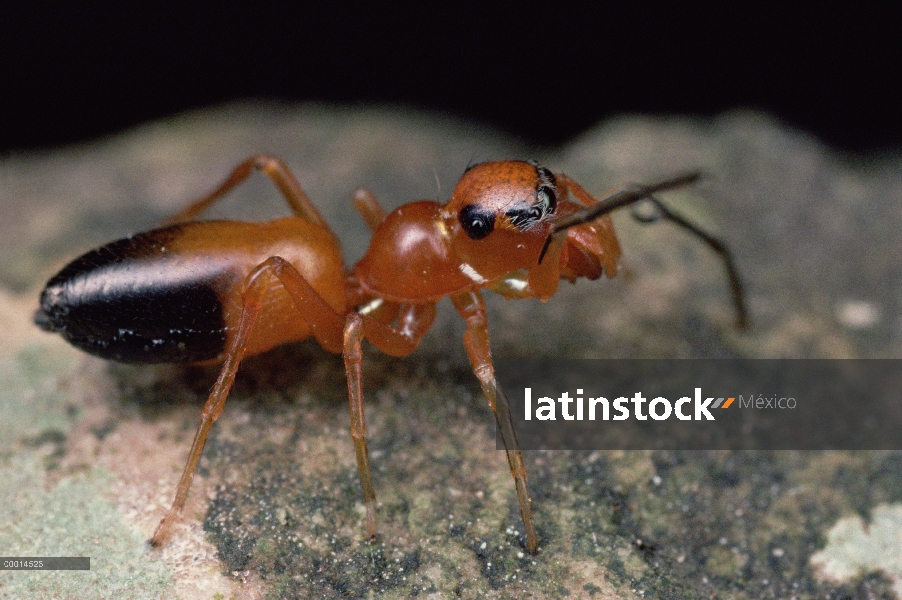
x=854, y=548
x=858, y=314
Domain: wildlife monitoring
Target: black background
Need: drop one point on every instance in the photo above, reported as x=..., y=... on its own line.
x=543, y=73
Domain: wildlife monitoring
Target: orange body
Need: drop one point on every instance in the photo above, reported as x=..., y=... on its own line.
x=221, y=290
x=176, y=294
x=312, y=250
x=421, y=253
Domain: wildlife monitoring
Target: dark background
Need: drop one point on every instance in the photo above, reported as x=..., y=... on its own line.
x=545, y=74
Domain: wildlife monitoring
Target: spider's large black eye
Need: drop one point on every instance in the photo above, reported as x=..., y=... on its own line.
x=477, y=221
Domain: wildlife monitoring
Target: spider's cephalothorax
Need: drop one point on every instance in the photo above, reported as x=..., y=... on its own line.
x=530, y=197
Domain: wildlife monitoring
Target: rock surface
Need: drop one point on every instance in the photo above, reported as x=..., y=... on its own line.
x=90, y=451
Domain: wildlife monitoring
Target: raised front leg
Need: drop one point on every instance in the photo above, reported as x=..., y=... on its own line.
x=635, y=193
x=476, y=339
x=277, y=172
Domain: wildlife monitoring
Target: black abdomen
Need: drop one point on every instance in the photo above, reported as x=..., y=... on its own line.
x=135, y=301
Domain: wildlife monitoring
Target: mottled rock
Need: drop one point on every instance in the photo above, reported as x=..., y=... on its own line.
x=96, y=448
